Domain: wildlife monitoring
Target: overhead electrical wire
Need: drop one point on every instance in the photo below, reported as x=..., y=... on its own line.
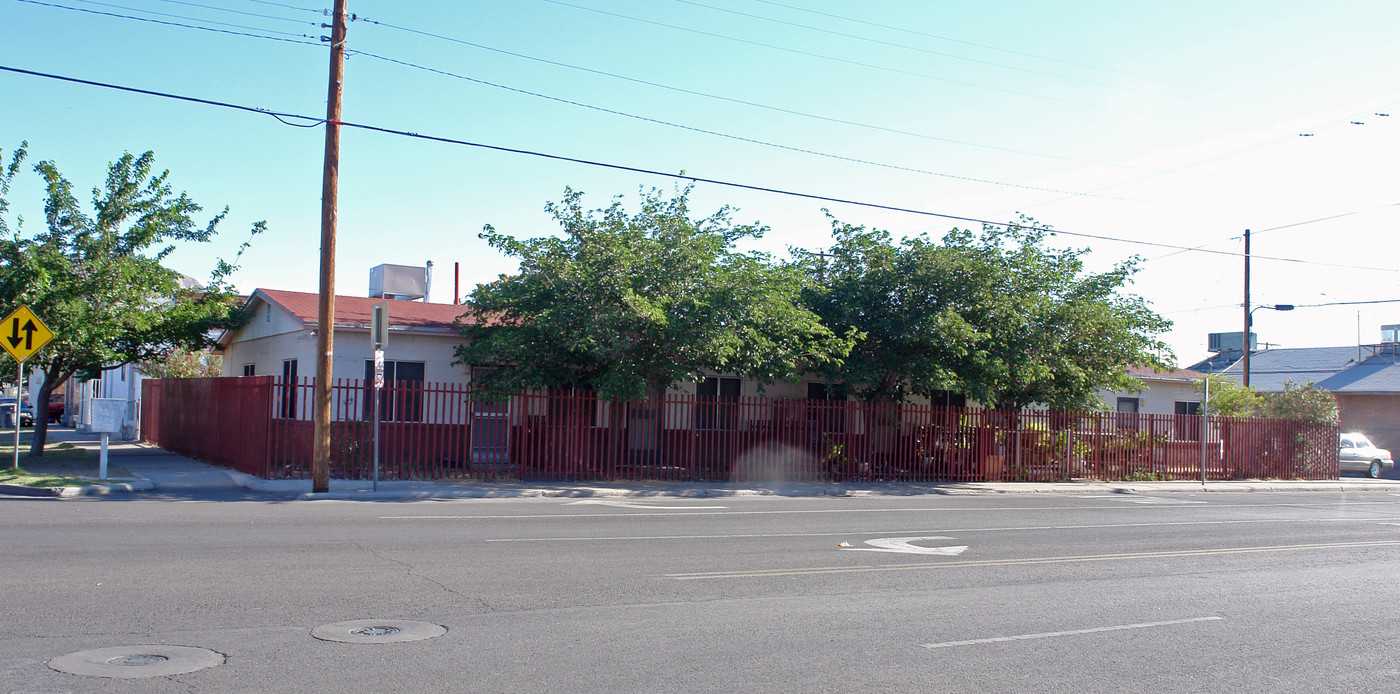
x=742, y=102
x=941, y=54
x=1009, y=51
x=232, y=11
x=872, y=66
x=289, y=7
x=185, y=26
x=281, y=116
x=715, y=133
x=728, y=136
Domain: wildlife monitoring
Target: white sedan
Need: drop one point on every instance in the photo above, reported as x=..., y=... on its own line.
x=1358, y=454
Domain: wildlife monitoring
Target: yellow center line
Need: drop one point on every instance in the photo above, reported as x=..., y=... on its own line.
x=765, y=573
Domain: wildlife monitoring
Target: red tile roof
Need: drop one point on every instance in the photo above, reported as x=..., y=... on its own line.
x=1147, y=373
x=355, y=310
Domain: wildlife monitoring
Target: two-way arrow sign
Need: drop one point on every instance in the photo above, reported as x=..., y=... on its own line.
x=22, y=333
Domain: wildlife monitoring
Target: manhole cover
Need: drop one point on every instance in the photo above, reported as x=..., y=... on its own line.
x=131, y=662
x=138, y=660
x=378, y=631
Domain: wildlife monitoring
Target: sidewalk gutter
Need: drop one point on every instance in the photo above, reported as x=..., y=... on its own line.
x=89, y=490
x=362, y=490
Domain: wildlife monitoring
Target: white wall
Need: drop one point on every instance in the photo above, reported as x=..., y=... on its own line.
x=1157, y=397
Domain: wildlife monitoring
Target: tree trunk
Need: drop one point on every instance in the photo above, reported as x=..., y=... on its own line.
x=41, y=415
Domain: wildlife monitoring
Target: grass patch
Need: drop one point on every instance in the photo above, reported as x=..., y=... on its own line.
x=62, y=465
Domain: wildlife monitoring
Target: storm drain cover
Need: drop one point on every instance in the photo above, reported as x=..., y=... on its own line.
x=378, y=631
x=131, y=662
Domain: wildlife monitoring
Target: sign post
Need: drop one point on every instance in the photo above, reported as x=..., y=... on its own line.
x=22, y=347
x=379, y=337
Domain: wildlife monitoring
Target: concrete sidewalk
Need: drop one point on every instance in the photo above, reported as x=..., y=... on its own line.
x=174, y=474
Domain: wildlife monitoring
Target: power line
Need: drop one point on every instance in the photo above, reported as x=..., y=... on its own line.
x=930, y=52
x=182, y=26
x=980, y=45
x=728, y=136
x=715, y=133
x=742, y=102
x=289, y=7
x=1325, y=219
x=872, y=66
x=652, y=172
x=237, y=12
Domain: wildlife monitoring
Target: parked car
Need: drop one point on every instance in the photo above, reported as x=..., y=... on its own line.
x=55, y=412
x=7, y=410
x=1358, y=454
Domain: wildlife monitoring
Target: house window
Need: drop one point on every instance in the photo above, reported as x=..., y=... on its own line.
x=287, y=396
x=716, y=404
x=947, y=398
x=401, y=399
x=823, y=407
x=1187, y=428
x=249, y=370
x=572, y=405
x=1128, y=404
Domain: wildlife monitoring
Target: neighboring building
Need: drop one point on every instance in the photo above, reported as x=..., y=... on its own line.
x=1365, y=380
x=280, y=339
x=1163, y=392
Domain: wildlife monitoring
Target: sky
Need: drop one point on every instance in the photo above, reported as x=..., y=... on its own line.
x=1135, y=129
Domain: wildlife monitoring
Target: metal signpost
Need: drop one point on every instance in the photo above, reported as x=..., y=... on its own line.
x=22, y=334
x=379, y=336
x=107, y=415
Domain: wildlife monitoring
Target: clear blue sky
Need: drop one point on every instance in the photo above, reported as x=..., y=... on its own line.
x=1173, y=123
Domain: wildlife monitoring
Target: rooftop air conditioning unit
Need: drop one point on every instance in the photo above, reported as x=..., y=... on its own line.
x=398, y=282
x=1230, y=342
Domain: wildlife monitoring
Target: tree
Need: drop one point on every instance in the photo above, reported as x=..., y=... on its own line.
x=1228, y=398
x=1306, y=402
x=97, y=280
x=183, y=363
x=630, y=304
x=996, y=316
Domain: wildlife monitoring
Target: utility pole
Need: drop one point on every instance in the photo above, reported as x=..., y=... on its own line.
x=1245, y=378
x=325, y=320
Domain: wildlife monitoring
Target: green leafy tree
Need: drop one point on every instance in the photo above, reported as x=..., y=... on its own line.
x=996, y=316
x=1306, y=402
x=630, y=304
x=1228, y=398
x=97, y=280
x=184, y=363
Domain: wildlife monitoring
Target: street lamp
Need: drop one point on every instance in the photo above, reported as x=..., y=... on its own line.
x=1248, y=328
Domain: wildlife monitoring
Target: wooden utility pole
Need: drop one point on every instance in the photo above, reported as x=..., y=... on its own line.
x=325, y=320
x=1247, y=321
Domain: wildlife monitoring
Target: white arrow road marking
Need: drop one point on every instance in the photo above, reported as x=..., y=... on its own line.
x=902, y=545
x=633, y=504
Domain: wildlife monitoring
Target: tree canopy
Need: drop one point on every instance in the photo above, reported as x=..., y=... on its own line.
x=630, y=304
x=97, y=280
x=1307, y=402
x=996, y=316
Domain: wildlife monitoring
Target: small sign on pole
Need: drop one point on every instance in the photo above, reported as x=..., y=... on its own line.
x=21, y=335
x=107, y=415
x=379, y=325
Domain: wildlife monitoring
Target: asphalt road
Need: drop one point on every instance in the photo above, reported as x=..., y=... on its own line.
x=1025, y=593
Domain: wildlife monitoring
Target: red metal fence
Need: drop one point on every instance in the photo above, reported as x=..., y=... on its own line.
x=264, y=426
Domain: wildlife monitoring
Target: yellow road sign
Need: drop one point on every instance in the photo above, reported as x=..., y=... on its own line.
x=22, y=333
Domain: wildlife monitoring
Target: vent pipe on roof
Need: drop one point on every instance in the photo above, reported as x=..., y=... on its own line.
x=428, y=283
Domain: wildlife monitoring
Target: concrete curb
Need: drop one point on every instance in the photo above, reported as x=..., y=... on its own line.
x=358, y=490
x=66, y=492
